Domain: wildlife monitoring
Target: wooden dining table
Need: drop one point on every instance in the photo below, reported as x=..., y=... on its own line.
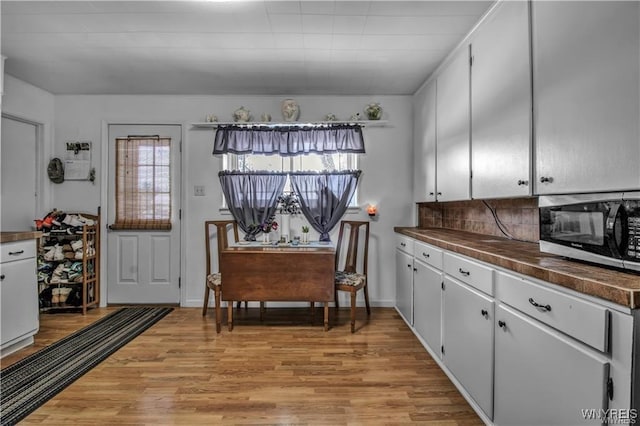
x=278, y=272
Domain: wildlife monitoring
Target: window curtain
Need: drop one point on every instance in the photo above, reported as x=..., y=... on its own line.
x=252, y=197
x=324, y=197
x=288, y=140
x=143, y=183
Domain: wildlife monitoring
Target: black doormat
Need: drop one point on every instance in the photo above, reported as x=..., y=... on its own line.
x=32, y=381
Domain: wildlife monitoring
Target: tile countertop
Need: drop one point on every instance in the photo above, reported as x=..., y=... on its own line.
x=622, y=288
x=7, y=237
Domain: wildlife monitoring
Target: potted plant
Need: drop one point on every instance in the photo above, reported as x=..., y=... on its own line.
x=305, y=234
x=289, y=205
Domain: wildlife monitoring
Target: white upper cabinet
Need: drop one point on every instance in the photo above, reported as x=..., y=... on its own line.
x=586, y=95
x=501, y=103
x=453, y=122
x=424, y=135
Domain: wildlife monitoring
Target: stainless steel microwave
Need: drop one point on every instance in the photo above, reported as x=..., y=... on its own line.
x=600, y=228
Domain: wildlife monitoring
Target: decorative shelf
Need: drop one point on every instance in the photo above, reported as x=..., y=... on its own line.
x=216, y=124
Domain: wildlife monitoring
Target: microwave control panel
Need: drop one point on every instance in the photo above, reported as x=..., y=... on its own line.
x=633, y=226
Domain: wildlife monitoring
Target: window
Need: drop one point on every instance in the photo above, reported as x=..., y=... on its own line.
x=143, y=183
x=309, y=162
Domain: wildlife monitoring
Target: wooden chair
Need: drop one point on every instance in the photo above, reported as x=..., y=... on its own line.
x=214, y=279
x=348, y=278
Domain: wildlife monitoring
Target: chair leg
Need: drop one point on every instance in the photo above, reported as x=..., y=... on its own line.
x=261, y=311
x=312, y=306
x=206, y=299
x=326, y=316
x=335, y=297
x=353, y=311
x=218, y=309
x=366, y=298
x=230, y=315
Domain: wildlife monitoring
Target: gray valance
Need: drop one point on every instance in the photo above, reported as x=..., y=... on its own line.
x=288, y=140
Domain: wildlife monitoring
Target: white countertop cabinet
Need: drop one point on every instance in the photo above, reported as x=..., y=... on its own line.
x=521, y=351
x=467, y=336
x=19, y=320
x=404, y=278
x=427, y=294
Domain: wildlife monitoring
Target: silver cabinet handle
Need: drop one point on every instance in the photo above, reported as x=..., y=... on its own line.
x=425, y=254
x=403, y=244
x=545, y=179
x=523, y=182
x=1, y=277
x=15, y=253
x=463, y=272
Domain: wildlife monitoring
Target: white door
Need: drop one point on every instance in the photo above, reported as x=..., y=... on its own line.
x=404, y=285
x=18, y=156
x=467, y=338
x=143, y=266
x=427, y=306
x=544, y=378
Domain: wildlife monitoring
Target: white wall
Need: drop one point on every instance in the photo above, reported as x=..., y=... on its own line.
x=386, y=181
x=27, y=102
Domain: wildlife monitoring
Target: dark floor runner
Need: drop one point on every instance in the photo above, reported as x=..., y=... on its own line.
x=32, y=381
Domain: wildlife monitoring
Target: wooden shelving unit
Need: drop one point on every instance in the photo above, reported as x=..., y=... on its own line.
x=88, y=284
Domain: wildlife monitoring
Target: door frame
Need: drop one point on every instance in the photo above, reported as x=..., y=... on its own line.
x=104, y=198
x=42, y=151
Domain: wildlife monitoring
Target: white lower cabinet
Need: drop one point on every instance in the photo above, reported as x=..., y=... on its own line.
x=467, y=336
x=543, y=377
x=404, y=285
x=521, y=350
x=19, y=316
x=427, y=306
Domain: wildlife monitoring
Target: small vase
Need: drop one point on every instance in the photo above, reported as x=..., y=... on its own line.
x=265, y=238
x=290, y=110
x=285, y=227
x=305, y=237
x=373, y=111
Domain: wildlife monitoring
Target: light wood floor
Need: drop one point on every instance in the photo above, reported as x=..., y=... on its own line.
x=282, y=371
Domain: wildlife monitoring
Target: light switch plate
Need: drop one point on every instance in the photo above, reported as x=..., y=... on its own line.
x=198, y=190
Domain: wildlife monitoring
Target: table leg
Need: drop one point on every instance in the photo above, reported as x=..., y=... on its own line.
x=230, y=315
x=326, y=316
x=218, y=312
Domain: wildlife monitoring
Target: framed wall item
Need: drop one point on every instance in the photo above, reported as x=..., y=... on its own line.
x=77, y=160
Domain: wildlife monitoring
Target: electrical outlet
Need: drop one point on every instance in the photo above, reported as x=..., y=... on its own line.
x=198, y=190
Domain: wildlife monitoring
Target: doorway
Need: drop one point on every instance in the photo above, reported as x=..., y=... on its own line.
x=143, y=255
x=19, y=176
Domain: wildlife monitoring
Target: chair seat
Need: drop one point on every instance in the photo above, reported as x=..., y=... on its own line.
x=352, y=279
x=214, y=280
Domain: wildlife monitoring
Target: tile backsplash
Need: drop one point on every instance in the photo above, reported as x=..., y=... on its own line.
x=518, y=215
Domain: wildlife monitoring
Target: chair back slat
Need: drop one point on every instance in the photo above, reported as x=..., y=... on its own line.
x=352, y=245
x=222, y=236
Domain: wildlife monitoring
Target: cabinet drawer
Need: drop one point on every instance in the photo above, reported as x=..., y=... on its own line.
x=470, y=272
x=17, y=250
x=580, y=319
x=405, y=244
x=428, y=254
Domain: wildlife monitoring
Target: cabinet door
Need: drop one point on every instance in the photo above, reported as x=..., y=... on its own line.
x=18, y=300
x=404, y=285
x=427, y=304
x=586, y=57
x=453, y=150
x=542, y=378
x=501, y=104
x=467, y=335
x=424, y=180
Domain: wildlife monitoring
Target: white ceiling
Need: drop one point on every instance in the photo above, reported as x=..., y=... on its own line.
x=234, y=47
